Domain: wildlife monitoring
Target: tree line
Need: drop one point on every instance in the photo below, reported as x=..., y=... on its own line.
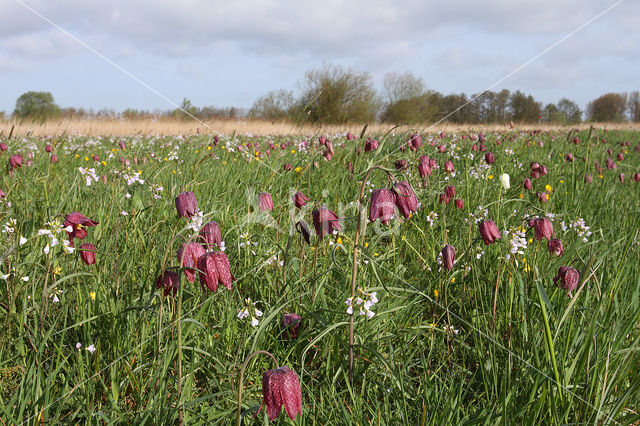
x=335, y=95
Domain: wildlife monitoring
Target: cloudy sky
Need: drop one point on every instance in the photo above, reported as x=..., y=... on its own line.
x=227, y=53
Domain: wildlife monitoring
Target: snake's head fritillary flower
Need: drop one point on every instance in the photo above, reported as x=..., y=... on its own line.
x=325, y=221
x=406, y=199
x=186, y=204
x=291, y=323
x=448, y=166
x=169, y=281
x=489, y=157
x=371, y=145
x=555, y=247
x=88, y=253
x=542, y=227
x=281, y=386
x=382, y=205
x=214, y=269
x=450, y=190
x=48, y=148
x=568, y=279
x=303, y=229
x=211, y=234
x=448, y=256
x=424, y=169
x=15, y=161
x=459, y=203
x=77, y=221
x=489, y=231
x=265, y=203
x=188, y=256
x=415, y=142
x=299, y=199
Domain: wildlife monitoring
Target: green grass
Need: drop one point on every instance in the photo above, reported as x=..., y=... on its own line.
x=539, y=358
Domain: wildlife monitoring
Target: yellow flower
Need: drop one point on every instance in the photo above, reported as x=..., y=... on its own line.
x=173, y=171
x=366, y=245
x=561, y=181
x=548, y=188
x=375, y=254
x=435, y=293
x=209, y=148
x=547, y=196
x=86, y=158
x=298, y=169
x=235, y=159
x=521, y=195
x=104, y=163
x=293, y=151
x=490, y=176
x=527, y=268
x=77, y=155
x=196, y=151
x=339, y=240
x=57, y=270
x=166, y=159
x=92, y=295
x=453, y=279
x=403, y=237
x=601, y=176
x=224, y=163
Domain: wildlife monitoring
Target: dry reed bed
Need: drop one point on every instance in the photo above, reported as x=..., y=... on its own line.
x=108, y=127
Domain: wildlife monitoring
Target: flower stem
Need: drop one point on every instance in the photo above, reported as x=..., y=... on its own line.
x=244, y=366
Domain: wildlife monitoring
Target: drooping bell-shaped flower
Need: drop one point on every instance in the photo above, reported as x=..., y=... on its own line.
x=489, y=231
x=188, y=256
x=186, y=204
x=406, y=199
x=568, y=279
x=211, y=234
x=88, y=253
x=281, y=386
x=325, y=221
x=382, y=205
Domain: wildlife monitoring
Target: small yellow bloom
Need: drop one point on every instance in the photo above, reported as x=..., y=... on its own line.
x=166, y=159
x=366, y=245
x=601, y=176
x=403, y=237
x=173, y=171
x=196, y=151
x=209, y=148
x=453, y=279
x=521, y=195
x=77, y=155
x=527, y=268
x=104, y=163
x=435, y=293
x=224, y=163
x=375, y=254
x=86, y=158
x=530, y=241
x=561, y=181
x=256, y=153
x=548, y=188
x=547, y=196
x=298, y=169
x=339, y=240
x=490, y=176
x=57, y=270
x=235, y=159
x=92, y=295
x=293, y=151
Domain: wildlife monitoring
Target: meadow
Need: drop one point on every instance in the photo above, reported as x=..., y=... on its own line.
x=456, y=310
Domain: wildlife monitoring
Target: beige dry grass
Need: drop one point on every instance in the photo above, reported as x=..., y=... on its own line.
x=104, y=127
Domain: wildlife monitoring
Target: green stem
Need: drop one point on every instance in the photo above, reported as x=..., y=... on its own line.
x=552, y=354
x=244, y=366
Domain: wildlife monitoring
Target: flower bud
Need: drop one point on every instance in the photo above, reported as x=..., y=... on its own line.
x=448, y=257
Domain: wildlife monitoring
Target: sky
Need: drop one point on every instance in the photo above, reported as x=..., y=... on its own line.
x=150, y=54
